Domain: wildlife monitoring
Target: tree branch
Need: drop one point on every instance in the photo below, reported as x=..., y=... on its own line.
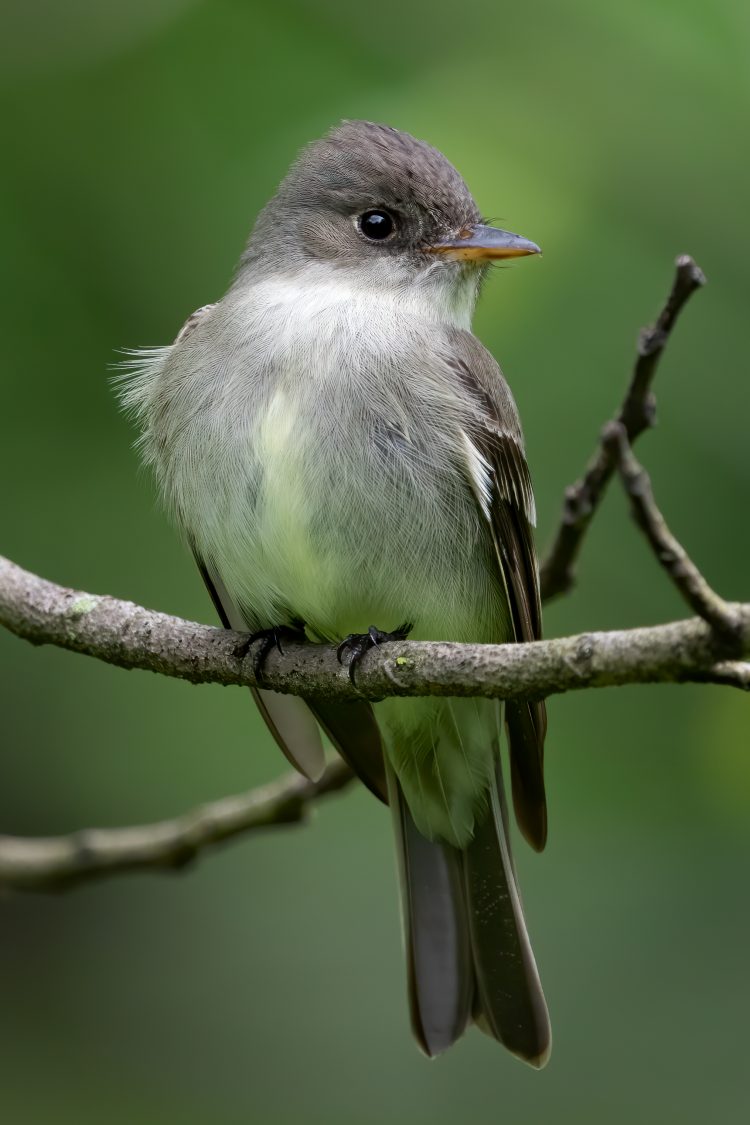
x=121, y=633
x=699, y=595
x=636, y=414
x=709, y=648
x=130, y=636
x=59, y=862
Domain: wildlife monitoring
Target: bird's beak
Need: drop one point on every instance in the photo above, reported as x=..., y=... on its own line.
x=480, y=243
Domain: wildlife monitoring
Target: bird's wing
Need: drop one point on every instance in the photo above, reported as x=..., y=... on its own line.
x=286, y=716
x=499, y=477
x=192, y=321
x=350, y=725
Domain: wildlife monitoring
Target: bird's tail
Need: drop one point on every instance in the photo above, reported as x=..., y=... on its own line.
x=467, y=948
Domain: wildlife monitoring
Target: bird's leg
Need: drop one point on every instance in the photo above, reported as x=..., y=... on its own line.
x=357, y=644
x=270, y=639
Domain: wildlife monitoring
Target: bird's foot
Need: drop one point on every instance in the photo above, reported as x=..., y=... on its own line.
x=269, y=639
x=357, y=644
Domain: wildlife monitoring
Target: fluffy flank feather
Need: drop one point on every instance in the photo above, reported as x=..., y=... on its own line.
x=136, y=381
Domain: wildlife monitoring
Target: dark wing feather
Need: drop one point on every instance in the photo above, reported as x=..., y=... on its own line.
x=352, y=729
x=495, y=432
x=288, y=719
x=526, y=722
x=350, y=726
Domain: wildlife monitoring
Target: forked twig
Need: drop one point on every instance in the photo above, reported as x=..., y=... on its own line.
x=636, y=414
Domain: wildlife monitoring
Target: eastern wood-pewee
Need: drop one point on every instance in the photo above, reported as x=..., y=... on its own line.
x=344, y=456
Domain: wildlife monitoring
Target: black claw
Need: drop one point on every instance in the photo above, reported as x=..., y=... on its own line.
x=270, y=639
x=242, y=648
x=357, y=644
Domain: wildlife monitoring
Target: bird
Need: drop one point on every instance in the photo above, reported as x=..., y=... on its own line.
x=346, y=463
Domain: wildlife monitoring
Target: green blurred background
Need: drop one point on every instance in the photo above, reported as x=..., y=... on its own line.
x=266, y=984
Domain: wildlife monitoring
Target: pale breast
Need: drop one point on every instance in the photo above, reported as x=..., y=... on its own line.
x=318, y=465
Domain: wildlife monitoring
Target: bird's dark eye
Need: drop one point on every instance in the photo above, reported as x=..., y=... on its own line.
x=377, y=225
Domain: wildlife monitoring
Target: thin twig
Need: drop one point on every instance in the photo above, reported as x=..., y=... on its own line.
x=637, y=413
x=696, y=591
x=60, y=862
x=729, y=673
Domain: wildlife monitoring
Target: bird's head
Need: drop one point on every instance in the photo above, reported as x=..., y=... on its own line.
x=386, y=208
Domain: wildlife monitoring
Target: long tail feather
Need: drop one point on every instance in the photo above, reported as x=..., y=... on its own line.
x=436, y=935
x=510, y=1002
x=467, y=948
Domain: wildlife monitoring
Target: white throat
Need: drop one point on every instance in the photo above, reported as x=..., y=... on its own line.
x=323, y=288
